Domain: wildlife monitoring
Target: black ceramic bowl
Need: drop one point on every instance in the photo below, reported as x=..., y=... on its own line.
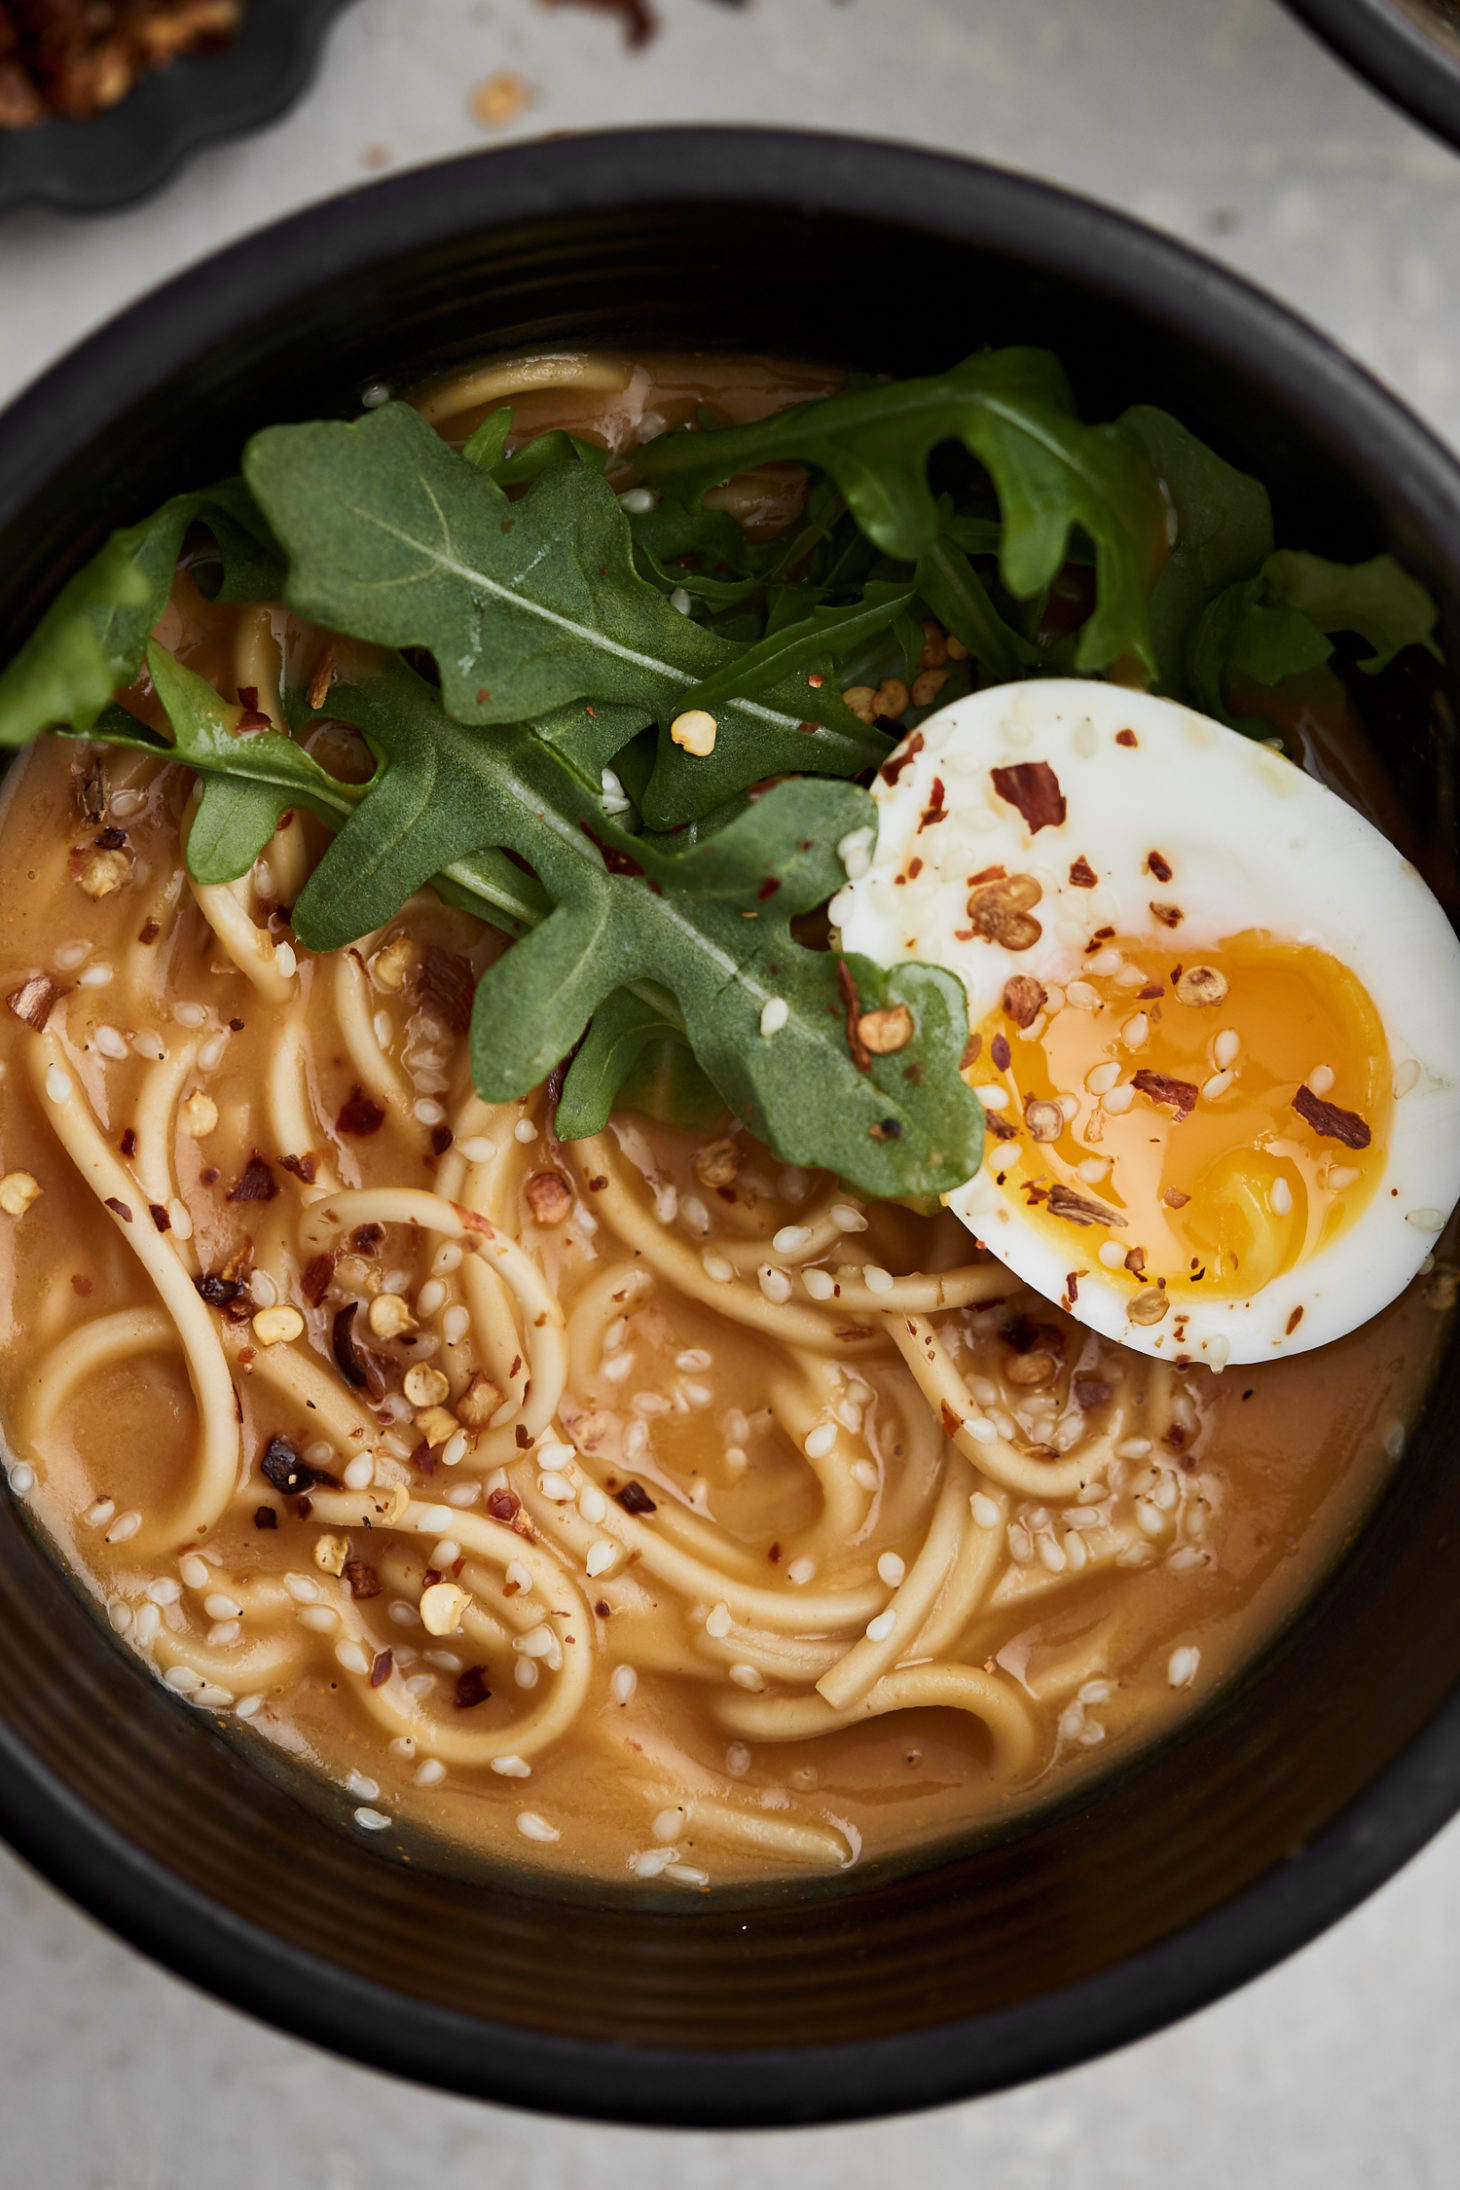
x=1407, y=49
x=112, y=159
x=1304, y=1783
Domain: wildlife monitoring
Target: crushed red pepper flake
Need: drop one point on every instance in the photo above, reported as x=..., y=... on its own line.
x=1170, y=916
x=471, y=1688
x=1033, y=787
x=35, y=1000
x=118, y=1208
x=265, y=1516
x=1082, y=874
x=1000, y=1053
x=1024, y=999
x=381, y=1668
x=1328, y=1120
x=847, y=987
x=446, y=985
x=1082, y=1208
x=635, y=1499
x=256, y=1182
x=892, y=769
x=363, y=1579
x=1126, y=738
x=360, y=1115
x=305, y=1167
x=1158, y=865
x=1162, y=1087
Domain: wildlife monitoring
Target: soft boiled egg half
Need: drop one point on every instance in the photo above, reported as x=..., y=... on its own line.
x=1215, y=1015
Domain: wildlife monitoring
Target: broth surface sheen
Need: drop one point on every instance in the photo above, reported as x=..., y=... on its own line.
x=592, y=1504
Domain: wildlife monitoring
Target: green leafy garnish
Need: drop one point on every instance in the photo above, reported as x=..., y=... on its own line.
x=1012, y=410
x=89, y=642
x=527, y=606
x=702, y=936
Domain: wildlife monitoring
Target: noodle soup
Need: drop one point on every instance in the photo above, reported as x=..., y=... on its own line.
x=608, y=1503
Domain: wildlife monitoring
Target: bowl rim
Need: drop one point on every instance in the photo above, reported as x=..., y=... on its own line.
x=1405, y=466
x=1394, y=55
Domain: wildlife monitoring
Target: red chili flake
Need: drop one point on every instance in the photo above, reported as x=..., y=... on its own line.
x=381, y=1668
x=1158, y=865
x=1293, y=1321
x=846, y=983
x=1125, y=737
x=886, y=1129
x=1001, y=1053
x=219, y=1292
x=1072, y=1288
x=303, y=1167
x=257, y=1182
x=315, y=1280
x=118, y=1208
x=360, y=1114
x=148, y=932
x=935, y=810
x=1170, y=916
x=1034, y=788
x=852, y=1331
x=1024, y=999
x=768, y=888
x=892, y=769
x=1161, y=1087
x=504, y=1505
x=441, y=1139
x=973, y=1050
x=248, y=695
x=1174, y=1198
x=265, y=1517
x=1082, y=874
x=35, y=1000
x=988, y=874
x=446, y=985
x=366, y=1238
x=952, y=1423
x=81, y=1286
x=249, y=721
x=128, y=1142
x=1151, y=990
x=816, y=680
x=1000, y=1126
x=235, y=1026
x=288, y=1473
x=914, y=869
x=159, y=1216
x=483, y=696
x=423, y=1460
x=1090, y=1392
x=1082, y=1208
x=471, y=1688
x=1327, y=1119
x=635, y=1499
x=363, y=1579
x=596, y=1186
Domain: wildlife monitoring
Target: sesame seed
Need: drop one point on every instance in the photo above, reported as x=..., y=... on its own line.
x=1281, y=1198
x=370, y=1821
x=247, y=1706
x=1217, y=1085
x=1321, y=1079
x=993, y=1098
x=1112, y=1254
x=774, y=1014
x=285, y=960
x=318, y=1617
x=1106, y=962
x=524, y=1131
x=109, y=1042
x=96, y=977
x=774, y=1283
x=371, y=399
x=210, y=1056
x=149, y=1045
x=864, y=1473
x=746, y=1676
x=601, y=1556
x=533, y=1827
x=1181, y=1666
x=820, y=1284
x=1102, y=1078
x=876, y=1279
x=820, y=1441
x=98, y=1515
x=512, y=1767
x=792, y=1239
x=1135, y=1030
x=431, y=1773
x=801, y=1570
x=58, y=1087
x=985, y=1512
x=1406, y=1079
x=882, y=1626
x=1119, y=1100
x=847, y=1218
x=1226, y=1047
x=126, y=1525
x=622, y=1682
x=717, y=1622
x=1080, y=992
x=359, y=1473
x=1426, y=1220
x=737, y=1760
x=637, y=501
x=981, y=1431
x=183, y=1679
x=476, y=1149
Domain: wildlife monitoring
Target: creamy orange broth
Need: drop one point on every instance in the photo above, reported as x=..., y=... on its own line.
x=744, y=1427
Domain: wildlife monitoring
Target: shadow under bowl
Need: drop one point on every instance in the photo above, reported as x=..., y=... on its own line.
x=1306, y=1780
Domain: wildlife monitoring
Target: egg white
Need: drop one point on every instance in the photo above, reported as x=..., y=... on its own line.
x=1257, y=844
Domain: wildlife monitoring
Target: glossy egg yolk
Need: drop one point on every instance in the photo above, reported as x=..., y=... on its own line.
x=1206, y=1117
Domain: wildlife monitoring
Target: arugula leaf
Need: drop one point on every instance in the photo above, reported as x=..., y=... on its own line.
x=702, y=935
x=1223, y=535
x=527, y=605
x=634, y=1058
x=90, y=640
x=957, y=596
x=486, y=450
x=1275, y=625
x=816, y=639
x=1378, y=600
x=1011, y=409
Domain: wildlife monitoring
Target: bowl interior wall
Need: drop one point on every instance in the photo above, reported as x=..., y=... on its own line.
x=1067, y=1893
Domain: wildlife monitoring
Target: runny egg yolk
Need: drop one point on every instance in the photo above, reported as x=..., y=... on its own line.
x=1151, y=1102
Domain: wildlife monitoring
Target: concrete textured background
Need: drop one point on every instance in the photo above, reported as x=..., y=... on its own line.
x=1220, y=121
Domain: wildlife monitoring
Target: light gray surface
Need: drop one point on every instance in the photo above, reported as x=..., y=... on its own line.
x=1219, y=120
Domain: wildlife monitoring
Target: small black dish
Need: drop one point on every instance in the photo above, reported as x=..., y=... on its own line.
x=125, y=153
x=1307, y=1780
x=1407, y=49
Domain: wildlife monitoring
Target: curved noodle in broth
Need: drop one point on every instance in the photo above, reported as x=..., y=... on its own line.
x=638, y=1504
